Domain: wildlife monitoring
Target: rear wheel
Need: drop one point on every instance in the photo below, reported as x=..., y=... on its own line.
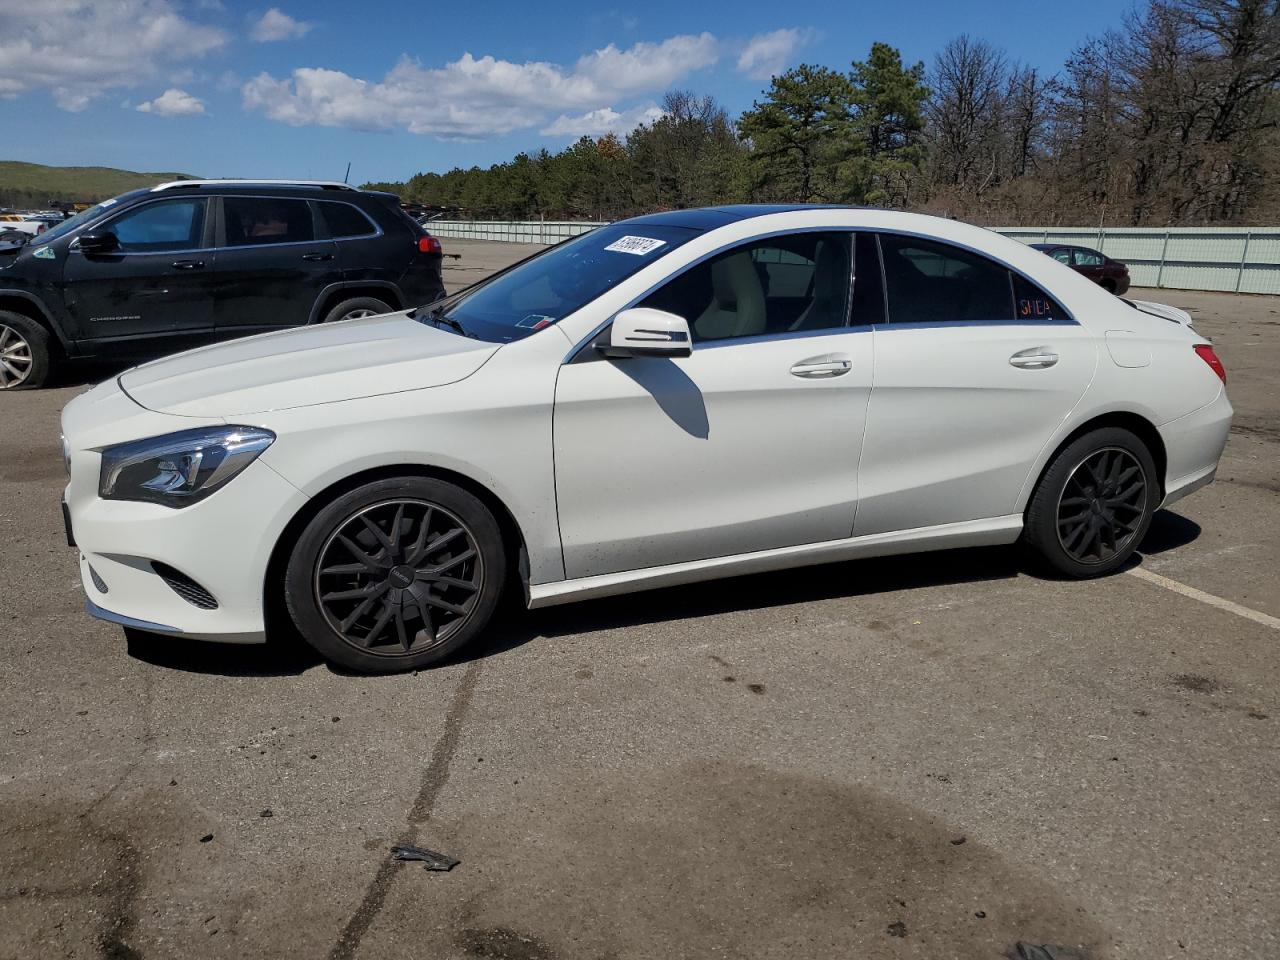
x=1094, y=504
x=396, y=575
x=24, y=352
x=355, y=308
x=1108, y=285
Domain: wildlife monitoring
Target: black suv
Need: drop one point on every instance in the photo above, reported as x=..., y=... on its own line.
x=159, y=270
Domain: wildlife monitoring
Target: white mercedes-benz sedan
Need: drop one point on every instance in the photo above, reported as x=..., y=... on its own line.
x=668, y=399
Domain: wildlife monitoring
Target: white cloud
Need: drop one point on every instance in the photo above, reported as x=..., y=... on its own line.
x=596, y=123
x=477, y=97
x=173, y=103
x=275, y=24
x=80, y=49
x=768, y=54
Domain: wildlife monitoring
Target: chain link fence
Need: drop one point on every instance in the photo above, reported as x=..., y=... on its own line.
x=1233, y=259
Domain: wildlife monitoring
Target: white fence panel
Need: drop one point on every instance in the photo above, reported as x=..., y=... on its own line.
x=1240, y=259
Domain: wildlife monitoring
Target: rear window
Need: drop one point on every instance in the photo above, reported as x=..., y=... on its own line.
x=344, y=220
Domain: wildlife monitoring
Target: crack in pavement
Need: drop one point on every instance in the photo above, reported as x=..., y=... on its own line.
x=433, y=780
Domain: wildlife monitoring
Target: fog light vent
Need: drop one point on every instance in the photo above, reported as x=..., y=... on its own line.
x=185, y=587
x=97, y=580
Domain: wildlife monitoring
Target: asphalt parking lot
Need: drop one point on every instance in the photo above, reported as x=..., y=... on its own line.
x=930, y=757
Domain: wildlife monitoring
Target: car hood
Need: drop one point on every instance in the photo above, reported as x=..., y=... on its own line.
x=306, y=366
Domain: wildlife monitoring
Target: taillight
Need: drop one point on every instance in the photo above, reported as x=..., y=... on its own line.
x=1205, y=352
x=428, y=245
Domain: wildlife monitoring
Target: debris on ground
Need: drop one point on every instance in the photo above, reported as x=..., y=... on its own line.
x=1045, y=951
x=429, y=858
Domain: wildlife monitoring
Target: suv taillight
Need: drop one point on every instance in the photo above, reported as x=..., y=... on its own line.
x=1205, y=352
x=428, y=244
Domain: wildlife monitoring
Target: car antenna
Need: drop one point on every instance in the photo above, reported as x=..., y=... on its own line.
x=346, y=176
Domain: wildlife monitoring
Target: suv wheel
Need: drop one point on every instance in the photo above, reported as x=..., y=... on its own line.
x=355, y=308
x=1093, y=505
x=396, y=575
x=24, y=352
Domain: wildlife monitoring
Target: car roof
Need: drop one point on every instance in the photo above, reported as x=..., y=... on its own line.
x=708, y=218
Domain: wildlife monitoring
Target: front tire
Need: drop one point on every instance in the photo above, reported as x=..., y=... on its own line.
x=24, y=352
x=355, y=308
x=396, y=575
x=1093, y=505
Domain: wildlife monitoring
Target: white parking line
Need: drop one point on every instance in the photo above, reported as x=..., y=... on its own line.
x=1222, y=604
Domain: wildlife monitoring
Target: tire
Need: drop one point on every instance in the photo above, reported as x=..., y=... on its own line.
x=1108, y=285
x=1077, y=534
x=355, y=308
x=358, y=594
x=24, y=352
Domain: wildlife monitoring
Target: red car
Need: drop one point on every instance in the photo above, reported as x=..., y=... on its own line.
x=1111, y=275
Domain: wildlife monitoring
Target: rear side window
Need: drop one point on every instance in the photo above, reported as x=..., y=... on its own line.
x=344, y=220
x=1088, y=258
x=167, y=225
x=255, y=221
x=931, y=282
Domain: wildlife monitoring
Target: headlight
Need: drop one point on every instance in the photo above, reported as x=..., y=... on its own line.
x=179, y=468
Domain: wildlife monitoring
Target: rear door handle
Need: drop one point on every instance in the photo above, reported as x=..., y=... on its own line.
x=1034, y=358
x=823, y=367
x=188, y=264
x=315, y=257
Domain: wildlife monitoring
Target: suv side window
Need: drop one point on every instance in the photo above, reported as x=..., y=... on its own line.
x=254, y=221
x=783, y=284
x=161, y=226
x=344, y=220
x=1087, y=258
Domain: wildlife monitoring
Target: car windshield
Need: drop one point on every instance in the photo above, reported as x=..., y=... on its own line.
x=84, y=216
x=549, y=286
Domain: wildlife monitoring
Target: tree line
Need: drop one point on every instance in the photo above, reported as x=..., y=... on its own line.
x=1172, y=117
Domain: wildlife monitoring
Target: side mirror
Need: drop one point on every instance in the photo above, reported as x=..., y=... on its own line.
x=644, y=332
x=98, y=243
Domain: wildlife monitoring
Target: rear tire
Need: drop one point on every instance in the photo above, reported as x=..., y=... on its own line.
x=396, y=575
x=1093, y=505
x=24, y=352
x=355, y=308
x=1108, y=285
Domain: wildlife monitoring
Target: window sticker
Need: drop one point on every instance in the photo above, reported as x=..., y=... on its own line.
x=535, y=321
x=43, y=253
x=636, y=245
x=1034, y=307
x=107, y=203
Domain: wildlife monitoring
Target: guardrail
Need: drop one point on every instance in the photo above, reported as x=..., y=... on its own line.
x=1234, y=259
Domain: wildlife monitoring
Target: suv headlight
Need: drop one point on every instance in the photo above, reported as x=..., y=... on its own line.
x=179, y=469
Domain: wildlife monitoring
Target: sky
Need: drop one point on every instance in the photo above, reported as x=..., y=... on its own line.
x=221, y=88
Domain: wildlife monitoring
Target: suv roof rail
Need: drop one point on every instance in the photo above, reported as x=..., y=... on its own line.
x=318, y=184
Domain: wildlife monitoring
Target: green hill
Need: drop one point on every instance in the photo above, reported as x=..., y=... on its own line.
x=34, y=185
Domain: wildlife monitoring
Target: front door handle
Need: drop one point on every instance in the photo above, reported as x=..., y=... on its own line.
x=1034, y=358
x=316, y=257
x=188, y=264
x=823, y=367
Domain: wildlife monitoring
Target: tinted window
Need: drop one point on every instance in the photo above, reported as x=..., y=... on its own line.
x=868, y=291
x=167, y=225
x=780, y=285
x=344, y=220
x=1032, y=303
x=260, y=220
x=1088, y=258
x=553, y=284
x=932, y=282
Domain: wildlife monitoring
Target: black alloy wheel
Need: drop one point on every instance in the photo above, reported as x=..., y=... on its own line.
x=396, y=574
x=1102, y=506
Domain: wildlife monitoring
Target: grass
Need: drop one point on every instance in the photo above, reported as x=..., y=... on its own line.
x=33, y=184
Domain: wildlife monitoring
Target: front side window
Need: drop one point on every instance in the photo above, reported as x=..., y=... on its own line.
x=1088, y=258
x=932, y=282
x=1062, y=255
x=162, y=226
x=256, y=221
x=783, y=284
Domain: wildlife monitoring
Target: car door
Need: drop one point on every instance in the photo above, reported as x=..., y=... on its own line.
x=1089, y=262
x=274, y=261
x=974, y=370
x=749, y=443
x=157, y=284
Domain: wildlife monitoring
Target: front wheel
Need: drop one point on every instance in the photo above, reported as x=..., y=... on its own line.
x=1093, y=505
x=396, y=575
